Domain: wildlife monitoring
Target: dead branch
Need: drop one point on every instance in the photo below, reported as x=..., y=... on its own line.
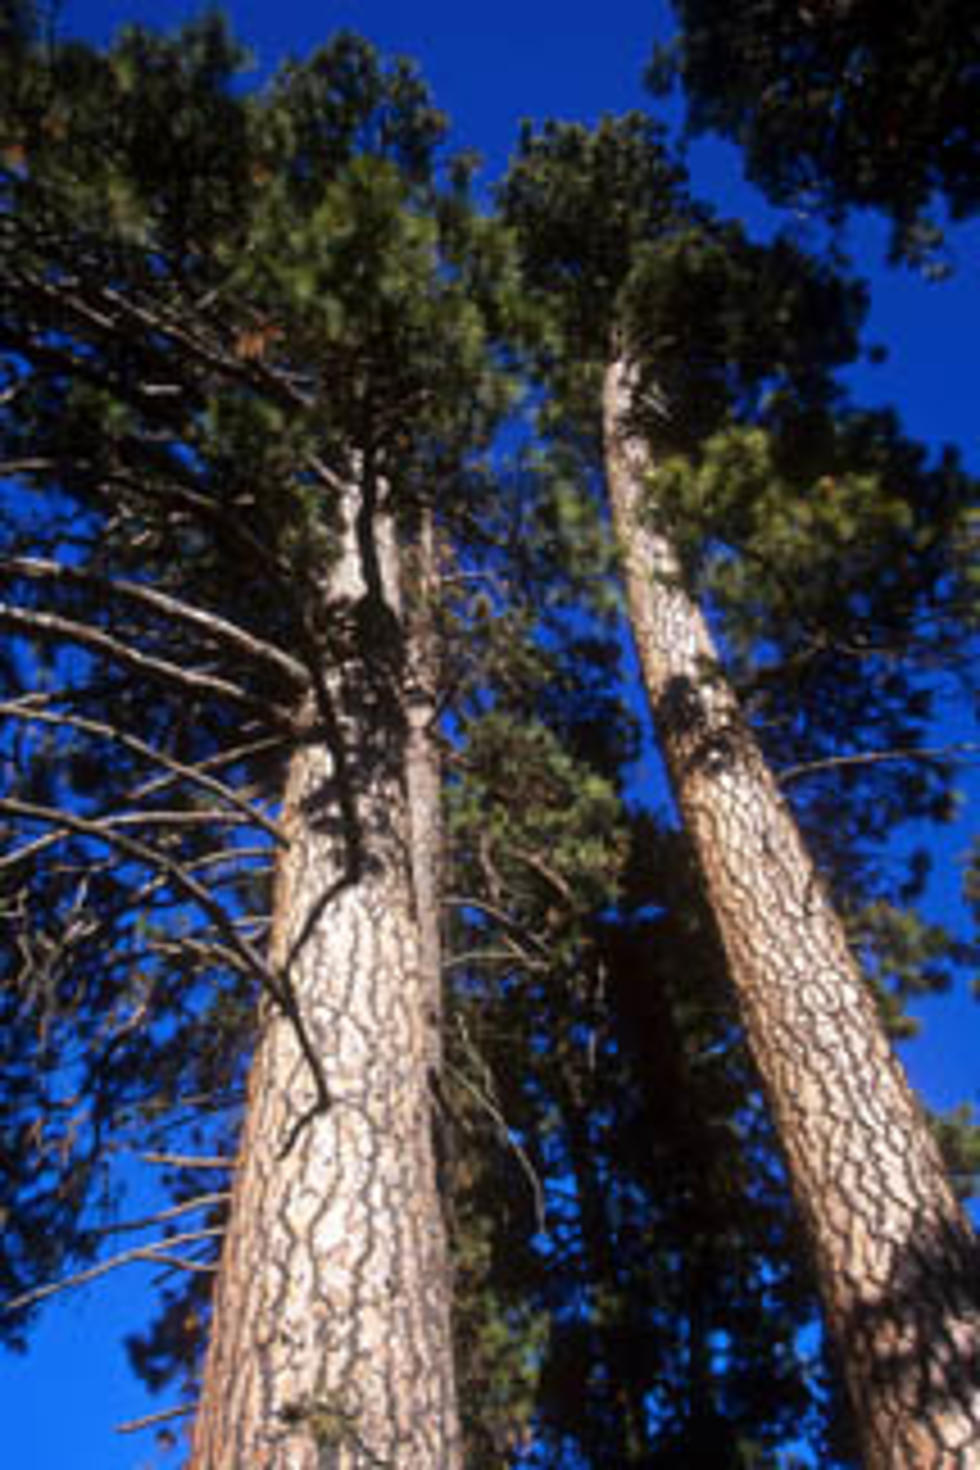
x=478, y=957
x=149, y=1421
x=54, y=628
x=182, y=1263
x=486, y=1100
x=11, y=468
x=514, y=935
x=239, y=954
x=144, y=1253
x=959, y=753
x=544, y=870
x=202, y=620
x=217, y=762
x=149, y=1222
x=187, y=1161
x=28, y=711
x=161, y=862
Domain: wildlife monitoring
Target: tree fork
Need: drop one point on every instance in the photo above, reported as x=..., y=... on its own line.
x=331, y=1339
x=895, y=1255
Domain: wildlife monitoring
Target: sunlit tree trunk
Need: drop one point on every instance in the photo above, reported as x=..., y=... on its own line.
x=331, y=1341
x=895, y=1256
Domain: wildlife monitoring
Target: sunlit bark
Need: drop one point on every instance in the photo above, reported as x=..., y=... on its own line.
x=330, y=1342
x=895, y=1256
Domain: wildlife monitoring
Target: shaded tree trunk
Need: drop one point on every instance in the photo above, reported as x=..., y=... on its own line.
x=895, y=1255
x=330, y=1342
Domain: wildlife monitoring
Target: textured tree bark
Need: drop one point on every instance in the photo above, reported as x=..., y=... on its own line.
x=895, y=1256
x=330, y=1346
x=422, y=765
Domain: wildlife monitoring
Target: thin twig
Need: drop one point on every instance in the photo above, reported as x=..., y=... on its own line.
x=53, y=627
x=223, y=758
x=144, y=1253
x=132, y=1426
x=187, y=1161
x=182, y=1263
x=500, y=916
x=514, y=936
x=491, y=1107
x=163, y=863
x=478, y=957
x=199, y=1202
x=201, y=619
x=27, y=711
x=544, y=870
x=964, y=749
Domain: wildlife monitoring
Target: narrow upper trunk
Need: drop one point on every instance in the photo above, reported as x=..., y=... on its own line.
x=330, y=1343
x=422, y=767
x=895, y=1255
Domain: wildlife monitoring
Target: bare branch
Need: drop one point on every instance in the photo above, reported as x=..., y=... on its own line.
x=33, y=849
x=149, y=1421
x=199, y=1202
x=327, y=476
x=197, y=950
x=161, y=862
x=200, y=619
x=183, y=1263
x=145, y=1253
x=187, y=1161
x=961, y=753
x=514, y=933
x=54, y=628
x=212, y=355
x=217, y=762
x=233, y=854
x=544, y=870
x=27, y=711
x=483, y=1096
x=208, y=817
x=202, y=508
x=478, y=957
x=10, y=468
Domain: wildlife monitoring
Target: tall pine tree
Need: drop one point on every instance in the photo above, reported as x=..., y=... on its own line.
x=251, y=565
x=242, y=375
x=671, y=352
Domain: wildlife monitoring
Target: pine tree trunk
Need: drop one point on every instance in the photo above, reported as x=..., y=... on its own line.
x=895, y=1256
x=330, y=1345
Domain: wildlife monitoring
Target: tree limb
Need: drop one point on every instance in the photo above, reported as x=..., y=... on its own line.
x=147, y=1253
x=202, y=620
x=187, y=1161
x=199, y=1202
x=27, y=711
x=54, y=628
x=963, y=752
x=132, y=1426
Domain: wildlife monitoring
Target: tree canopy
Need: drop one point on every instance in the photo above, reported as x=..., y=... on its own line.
x=217, y=306
x=841, y=103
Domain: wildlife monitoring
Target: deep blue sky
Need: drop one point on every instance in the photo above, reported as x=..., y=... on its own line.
x=513, y=59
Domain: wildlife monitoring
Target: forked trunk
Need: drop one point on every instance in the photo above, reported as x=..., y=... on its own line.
x=895, y=1255
x=330, y=1343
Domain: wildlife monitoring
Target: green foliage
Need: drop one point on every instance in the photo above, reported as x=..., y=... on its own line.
x=216, y=306
x=826, y=546
x=616, y=1204
x=146, y=140
x=177, y=419
x=583, y=202
x=608, y=1043
x=841, y=104
x=828, y=550
x=959, y=1139
x=614, y=248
